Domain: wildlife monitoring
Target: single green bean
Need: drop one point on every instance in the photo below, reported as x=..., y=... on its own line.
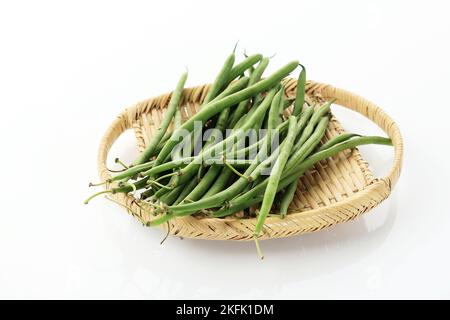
x=287, y=198
x=338, y=139
x=169, y=197
x=313, y=140
x=189, y=170
x=220, y=182
x=275, y=175
x=315, y=118
x=300, y=95
x=254, y=78
x=221, y=80
x=171, y=109
x=204, y=183
x=244, y=65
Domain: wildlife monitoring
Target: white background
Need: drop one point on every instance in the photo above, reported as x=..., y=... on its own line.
x=67, y=68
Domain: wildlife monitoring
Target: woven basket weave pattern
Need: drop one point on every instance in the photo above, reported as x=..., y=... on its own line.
x=336, y=190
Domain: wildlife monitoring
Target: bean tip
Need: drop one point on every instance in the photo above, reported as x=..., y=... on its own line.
x=258, y=248
x=235, y=46
x=272, y=56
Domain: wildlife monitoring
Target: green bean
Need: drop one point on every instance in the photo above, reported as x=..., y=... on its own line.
x=300, y=95
x=244, y=65
x=224, y=114
x=275, y=175
x=252, y=172
x=239, y=122
x=301, y=153
x=338, y=139
x=226, y=173
x=251, y=70
x=228, y=210
x=306, y=148
x=315, y=118
x=204, y=183
x=147, y=193
x=160, y=220
x=189, y=170
x=187, y=188
x=122, y=189
x=230, y=178
x=296, y=170
x=274, y=112
x=166, y=166
x=288, y=102
x=304, y=118
x=171, y=109
x=217, y=106
x=220, y=182
x=254, y=78
x=287, y=198
x=296, y=155
x=129, y=173
x=237, y=154
x=169, y=197
x=241, y=163
x=221, y=80
x=290, y=190
x=220, y=126
x=177, y=121
x=233, y=88
x=158, y=194
x=273, y=116
x=349, y=144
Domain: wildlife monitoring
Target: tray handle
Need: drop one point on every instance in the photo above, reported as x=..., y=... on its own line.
x=372, y=112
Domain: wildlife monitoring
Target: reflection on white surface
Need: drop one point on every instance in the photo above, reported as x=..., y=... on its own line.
x=198, y=269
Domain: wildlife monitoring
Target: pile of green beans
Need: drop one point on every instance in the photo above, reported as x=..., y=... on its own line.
x=230, y=172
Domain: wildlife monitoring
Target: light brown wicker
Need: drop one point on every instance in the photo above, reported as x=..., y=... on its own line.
x=334, y=191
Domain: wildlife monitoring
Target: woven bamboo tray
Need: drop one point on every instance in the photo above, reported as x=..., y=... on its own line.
x=336, y=190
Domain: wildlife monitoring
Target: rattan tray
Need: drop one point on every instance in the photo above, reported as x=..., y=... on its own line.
x=334, y=191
